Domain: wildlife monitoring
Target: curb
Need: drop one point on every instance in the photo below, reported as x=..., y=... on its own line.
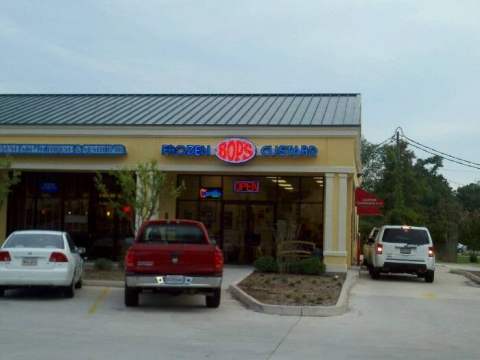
x=339, y=308
x=467, y=274
x=104, y=283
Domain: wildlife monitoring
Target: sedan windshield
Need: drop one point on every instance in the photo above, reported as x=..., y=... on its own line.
x=173, y=234
x=405, y=236
x=36, y=241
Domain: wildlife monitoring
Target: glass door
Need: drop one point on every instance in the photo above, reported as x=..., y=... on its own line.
x=247, y=231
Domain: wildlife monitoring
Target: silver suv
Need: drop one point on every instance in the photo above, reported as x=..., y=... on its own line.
x=401, y=249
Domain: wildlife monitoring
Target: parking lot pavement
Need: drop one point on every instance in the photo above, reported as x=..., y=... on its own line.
x=395, y=318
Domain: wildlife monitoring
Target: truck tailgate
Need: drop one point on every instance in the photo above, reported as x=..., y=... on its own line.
x=175, y=259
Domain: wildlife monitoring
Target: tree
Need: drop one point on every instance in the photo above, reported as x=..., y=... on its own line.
x=141, y=190
x=414, y=193
x=8, y=178
x=469, y=196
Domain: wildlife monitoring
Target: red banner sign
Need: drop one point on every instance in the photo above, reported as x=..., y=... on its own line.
x=367, y=204
x=235, y=151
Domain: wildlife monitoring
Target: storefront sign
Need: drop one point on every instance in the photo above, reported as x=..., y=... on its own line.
x=240, y=150
x=63, y=149
x=210, y=193
x=49, y=187
x=246, y=186
x=367, y=204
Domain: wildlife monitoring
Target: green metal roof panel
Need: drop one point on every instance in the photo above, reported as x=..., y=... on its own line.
x=181, y=109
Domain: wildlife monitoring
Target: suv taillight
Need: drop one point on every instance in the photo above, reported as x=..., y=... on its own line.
x=129, y=260
x=379, y=249
x=58, y=257
x=5, y=256
x=431, y=252
x=218, y=260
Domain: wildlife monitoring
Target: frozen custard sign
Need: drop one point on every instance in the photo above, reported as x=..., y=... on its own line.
x=240, y=150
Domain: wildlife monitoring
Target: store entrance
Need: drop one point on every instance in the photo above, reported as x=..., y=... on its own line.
x=248, y=231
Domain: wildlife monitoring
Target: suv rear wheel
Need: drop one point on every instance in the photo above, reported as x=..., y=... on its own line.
x=213, y=301
x=374, y=273
x=131, y=296
x=2, y=291
x=429, y=276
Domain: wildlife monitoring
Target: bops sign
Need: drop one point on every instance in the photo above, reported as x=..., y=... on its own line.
x=236, y=150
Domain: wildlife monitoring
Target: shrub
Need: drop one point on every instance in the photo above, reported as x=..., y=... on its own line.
x=473, y=258
x=266, y=264
x=103, y=264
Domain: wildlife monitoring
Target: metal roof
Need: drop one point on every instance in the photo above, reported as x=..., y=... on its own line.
x=180, y=109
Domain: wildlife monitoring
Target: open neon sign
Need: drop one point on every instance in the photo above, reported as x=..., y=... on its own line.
x=246, y=186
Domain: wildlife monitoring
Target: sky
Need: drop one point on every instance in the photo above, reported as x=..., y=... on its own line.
x=415, y=63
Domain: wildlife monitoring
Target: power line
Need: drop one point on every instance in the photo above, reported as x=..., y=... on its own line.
x=440, y=152
x=443, y=157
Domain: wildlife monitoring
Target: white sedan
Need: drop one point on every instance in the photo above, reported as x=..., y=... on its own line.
x=41, y=258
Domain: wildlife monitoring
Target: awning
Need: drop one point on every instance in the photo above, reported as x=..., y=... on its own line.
x=367, y=204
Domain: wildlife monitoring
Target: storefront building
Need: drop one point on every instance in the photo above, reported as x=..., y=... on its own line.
x=258, y=169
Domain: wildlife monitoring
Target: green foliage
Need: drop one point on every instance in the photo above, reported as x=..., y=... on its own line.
x=415, y=193
x=8, y=178
x=469, y=196
x=309, y=266
x=473, y=258
x=142, y=188
x=266, y=264
x=103, y=264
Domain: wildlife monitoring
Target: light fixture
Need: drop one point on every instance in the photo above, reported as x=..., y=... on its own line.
x=281, y=181
x=285, y=185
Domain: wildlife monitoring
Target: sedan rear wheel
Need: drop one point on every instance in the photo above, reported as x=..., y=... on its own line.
x=69, y=291
x=79, y=284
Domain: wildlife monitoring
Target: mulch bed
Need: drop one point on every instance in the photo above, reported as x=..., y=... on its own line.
x=91, y=274
x=288, y=289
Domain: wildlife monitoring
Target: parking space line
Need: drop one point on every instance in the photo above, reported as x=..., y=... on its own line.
x=429, y=296
x=100, y=298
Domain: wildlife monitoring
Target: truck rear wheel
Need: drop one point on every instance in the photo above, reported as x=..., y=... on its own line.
x=429, y=276
x=131, y=296
x=213, y=301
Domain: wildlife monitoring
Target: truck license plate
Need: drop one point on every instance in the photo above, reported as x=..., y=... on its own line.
x=29, y=261
x=174, y=279
x=405, y=251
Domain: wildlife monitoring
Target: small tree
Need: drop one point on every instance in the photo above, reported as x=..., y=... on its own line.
x=141, y=189
x=8, y=178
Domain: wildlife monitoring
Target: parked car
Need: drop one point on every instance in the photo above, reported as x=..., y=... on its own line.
x=461, y=248
x=401, y=249
x=173, y=256
x=41, y=258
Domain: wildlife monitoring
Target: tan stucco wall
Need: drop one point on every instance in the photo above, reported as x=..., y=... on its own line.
x=335, y=155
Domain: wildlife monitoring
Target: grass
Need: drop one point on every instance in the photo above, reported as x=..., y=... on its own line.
x=465, y=259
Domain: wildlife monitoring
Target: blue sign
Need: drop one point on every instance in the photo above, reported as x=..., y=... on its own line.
x=63, y=149
x=49, y=187
x=289, y=150
x=186, y=150
x=210, y=193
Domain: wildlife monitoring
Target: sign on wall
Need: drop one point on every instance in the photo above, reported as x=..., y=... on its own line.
x=246, y=186
x=240, y=150
x=63, y=149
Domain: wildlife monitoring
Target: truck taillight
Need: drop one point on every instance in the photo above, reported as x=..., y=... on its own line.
x=58, y=257
x=218, y=260
x=431, y=252
x=129, y=260
x=379, y=249
x=5, y=256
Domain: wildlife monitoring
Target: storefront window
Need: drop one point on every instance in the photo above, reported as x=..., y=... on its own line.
x=192, y=186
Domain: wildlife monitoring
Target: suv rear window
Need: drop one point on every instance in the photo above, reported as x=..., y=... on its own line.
x=173, y=234
x=406, y=236
x=36, y=241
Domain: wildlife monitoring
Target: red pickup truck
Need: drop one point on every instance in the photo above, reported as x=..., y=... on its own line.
x=173, y=256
